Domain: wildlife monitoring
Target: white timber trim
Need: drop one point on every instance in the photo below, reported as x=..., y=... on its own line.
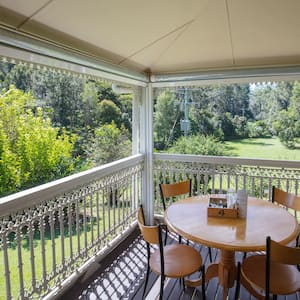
x=147, y=150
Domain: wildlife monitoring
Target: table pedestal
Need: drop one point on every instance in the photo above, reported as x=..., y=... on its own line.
x=225, y=270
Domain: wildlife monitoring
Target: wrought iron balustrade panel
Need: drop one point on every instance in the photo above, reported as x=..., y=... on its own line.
x=42, y=245
x=218, y=177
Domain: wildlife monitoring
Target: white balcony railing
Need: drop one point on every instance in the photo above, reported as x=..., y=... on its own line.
x=213, y=174
x=53, y=231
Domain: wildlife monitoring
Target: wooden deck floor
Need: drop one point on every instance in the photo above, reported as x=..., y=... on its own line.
x=121, y=276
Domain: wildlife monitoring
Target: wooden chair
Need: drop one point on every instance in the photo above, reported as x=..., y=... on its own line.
x=177, y=189
x=288, y=200
x=272, y=273
x=174, y=190
x=174, y=261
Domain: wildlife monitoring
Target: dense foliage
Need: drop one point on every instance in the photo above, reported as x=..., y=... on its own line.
x=229, y=112
x=198, y=145
x=110, y=143
x=59, y=124
x=53, y=123
x=31, y=150
x=288, y=122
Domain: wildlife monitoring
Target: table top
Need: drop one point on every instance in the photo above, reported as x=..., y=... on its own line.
x=188, y=217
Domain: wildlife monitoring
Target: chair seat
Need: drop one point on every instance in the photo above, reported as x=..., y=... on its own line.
x=284, y=279
x=180, y=261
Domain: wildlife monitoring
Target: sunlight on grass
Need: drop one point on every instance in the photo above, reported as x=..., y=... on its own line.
x=108, y=219
x=265, y=148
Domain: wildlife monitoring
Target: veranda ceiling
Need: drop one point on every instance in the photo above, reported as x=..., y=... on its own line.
x=166, y=36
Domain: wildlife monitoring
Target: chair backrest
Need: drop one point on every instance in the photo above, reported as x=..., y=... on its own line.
x=149, y=233
x=286, y=199
x=280, y=254
x=175, y=189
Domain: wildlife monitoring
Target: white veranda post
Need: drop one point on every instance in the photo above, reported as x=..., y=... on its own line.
x=146, y=148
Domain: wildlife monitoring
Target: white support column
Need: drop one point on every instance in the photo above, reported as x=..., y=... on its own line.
x=136, y=119
x=146, y=144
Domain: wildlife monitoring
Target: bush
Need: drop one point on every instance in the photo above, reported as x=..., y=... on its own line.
x=198, y=145
x=31, y=151
x=110, y=143
x=259, y=129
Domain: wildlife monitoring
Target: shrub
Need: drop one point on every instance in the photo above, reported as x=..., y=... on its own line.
x=199, y=145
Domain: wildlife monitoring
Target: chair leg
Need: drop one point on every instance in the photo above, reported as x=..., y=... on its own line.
x=146, y=280
x=210, y=255
x=245, y=255
x=203, y=282
x=238, y=282
x=274, y=297
x=166, y=236
x=182, y=282
x=179, y=239
x=162, y=282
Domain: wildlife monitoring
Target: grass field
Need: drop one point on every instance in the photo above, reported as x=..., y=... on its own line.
x=267, y=148
x=106, y=224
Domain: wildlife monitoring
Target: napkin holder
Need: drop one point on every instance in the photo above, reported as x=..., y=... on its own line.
x=217, y=207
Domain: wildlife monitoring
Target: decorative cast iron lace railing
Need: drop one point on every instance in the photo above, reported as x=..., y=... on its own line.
x=54, y=231
x=213, y=175
x=50, y=232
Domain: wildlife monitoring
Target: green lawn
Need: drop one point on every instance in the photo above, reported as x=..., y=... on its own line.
x=107, y=216
x=268, y=148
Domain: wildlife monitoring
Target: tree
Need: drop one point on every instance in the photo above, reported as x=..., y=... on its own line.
x=31, y=150
x=227, y=125
x=5, y=68
x=104, y=91
x=89, y=115
x=110, y=143
x=10, y=178
x=20, y=76
x=166, y=119
x=126, y=109
x=205, y=123
x=71, y=102
x=288, y=123
x=284, y=92
x=214, y=107
x=62, y=94
x=108, y=111
x=268, y=99
x=240, y=126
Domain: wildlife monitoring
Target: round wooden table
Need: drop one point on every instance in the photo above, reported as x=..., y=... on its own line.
x=188, y=217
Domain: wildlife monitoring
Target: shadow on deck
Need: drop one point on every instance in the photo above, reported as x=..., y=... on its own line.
x=121, y=276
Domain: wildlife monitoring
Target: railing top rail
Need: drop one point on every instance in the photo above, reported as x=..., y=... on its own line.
x=227, y=160
x=36, y=195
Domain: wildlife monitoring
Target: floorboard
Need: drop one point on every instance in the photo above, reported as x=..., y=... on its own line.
x=122, y=274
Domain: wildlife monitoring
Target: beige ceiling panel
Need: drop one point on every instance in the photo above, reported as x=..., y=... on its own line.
x=166, y=35
x=265, y=32
x=123, y=27
x=10, y=18
x=24, y=7
x=204, y=44
x=83, y=47
x=151, y=54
